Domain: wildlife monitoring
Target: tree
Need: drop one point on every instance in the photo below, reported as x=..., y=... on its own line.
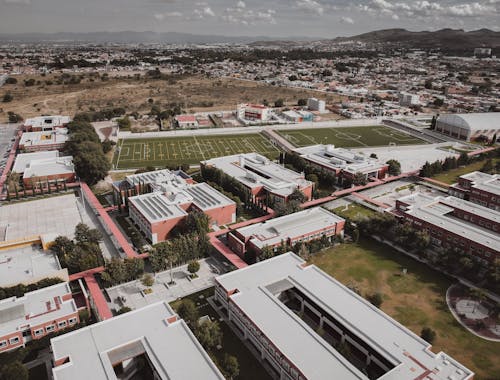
x=124, y=123
x=428, y=335
x=14, y=371
x=313, y=178
x=85, y=234
x=123, y=310
x=394, y=167
x=193, y=267
x=279, y=103
x=115, y=271
x=197, y=222
x=147, y=280
x=7, y=98
x=488, y=166
x=62, y=247
x=359, y=179
x=107, y=145
x=14, y=117
x=375, y=299
x=209, y=334
x=187, y=311
x=302, y=102
x=373, y=155
x=231, y=367
x=11, y=80
x=438, y=102
x=298, y=196
x=463, y=159
x=292, y=78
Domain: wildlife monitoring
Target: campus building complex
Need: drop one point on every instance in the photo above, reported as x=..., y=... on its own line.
x=45, y=123
x=148, y=343
x=306, y=325
x=342, y=162
x=45, y=167
x=165, y=198
x=253, y=112
x=262, y=177
x=480, y=188
x=48, y=140
x=454, y=223
x=35, y=315
x=286, y=231
x=469, y=126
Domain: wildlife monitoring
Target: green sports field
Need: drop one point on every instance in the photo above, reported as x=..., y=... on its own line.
x=171, y=151
x=349, y=136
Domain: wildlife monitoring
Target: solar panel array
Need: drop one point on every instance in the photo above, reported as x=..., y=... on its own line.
x=154, y=207
x=202, y=197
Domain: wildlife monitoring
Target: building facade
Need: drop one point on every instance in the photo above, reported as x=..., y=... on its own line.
x=469, y=126
x=35, y=315
x=478, y=187
x=257, y=112
x=314, y=104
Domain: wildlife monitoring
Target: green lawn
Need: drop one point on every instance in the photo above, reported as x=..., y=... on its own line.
x=416, y=299
x=353, y=211
x=138, y=153
x=451, y=176
x=349, y=136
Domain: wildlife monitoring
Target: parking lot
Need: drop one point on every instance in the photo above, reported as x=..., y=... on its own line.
x=132, y=293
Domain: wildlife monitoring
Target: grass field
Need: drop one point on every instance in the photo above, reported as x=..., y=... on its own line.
x=416, y=300
x=138, y=153
x=451, y=176
x=349, y=136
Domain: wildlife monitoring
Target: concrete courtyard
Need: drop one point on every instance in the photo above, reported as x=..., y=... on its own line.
x=132, y=293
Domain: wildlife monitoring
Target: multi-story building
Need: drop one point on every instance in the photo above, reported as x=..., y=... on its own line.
x=35, y=315
x=406, y=99
x=478, y=187
x=44, y=168
x=314, y=104
x=454, y=223
x=186, y=121
x=344, y=163
x=262, y=177
x=306, y=325
x=47, y=140
x=45, y=123
x=288, y=230
x=157, y=212
x=148, y=343
x=253, y=112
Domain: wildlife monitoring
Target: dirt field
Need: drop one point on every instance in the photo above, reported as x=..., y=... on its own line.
x=196, y=92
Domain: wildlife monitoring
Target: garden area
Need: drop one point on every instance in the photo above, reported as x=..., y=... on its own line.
x=416, y=299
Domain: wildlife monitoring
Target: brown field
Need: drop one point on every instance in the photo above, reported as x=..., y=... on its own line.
x=196, y=92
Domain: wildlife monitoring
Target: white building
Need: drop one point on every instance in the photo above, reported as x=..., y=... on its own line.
x=314, y=104
x=280, y=305
x=151, y=339
x=469, y=126
x=253, y=112
x=46, y=123
x=406, y=99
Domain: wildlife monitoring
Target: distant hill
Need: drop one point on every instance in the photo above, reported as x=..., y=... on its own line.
x=444, y=38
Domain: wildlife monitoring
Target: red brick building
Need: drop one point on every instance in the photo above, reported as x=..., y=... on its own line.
x=480, y=188
x=454, y=223
x=35, y=315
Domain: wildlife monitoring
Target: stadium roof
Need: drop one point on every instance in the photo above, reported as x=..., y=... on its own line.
x=255, y=290
x=473, y=121
x=290, y=226
x=153, y=330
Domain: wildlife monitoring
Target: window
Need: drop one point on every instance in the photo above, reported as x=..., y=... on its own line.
x=61, y=324
x=14, y=340
x=38, y=332
x=50, y=328
x=72, y=321
x=3, y=343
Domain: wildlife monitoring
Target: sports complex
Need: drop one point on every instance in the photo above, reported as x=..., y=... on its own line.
x=171, y=151
x=349, y=137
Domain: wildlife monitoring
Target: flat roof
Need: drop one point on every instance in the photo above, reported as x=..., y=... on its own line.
x=47, y=121
x=156, y=206
x=50, y=166
x=290, y=226
x=438, y=211
x=23, y=159
x=255, y=170
x=58, y=136
x=157, y=176
x=340, y=159
x=27, y=264
x=35, y=308
x=484, y=181
x=258, y=288
x=170, y=346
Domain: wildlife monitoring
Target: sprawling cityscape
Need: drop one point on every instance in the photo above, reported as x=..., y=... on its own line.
x=214, y=199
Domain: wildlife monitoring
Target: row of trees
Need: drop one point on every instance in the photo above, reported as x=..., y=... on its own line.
x=83, y=252
x=439, y=166
x=209, y=334
x=20, y=289
x=118, y=271
x=91, y=165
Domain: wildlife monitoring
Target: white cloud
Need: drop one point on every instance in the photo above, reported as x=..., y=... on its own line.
x=311, y=6
x=163, y=16
x=243, y=16
x=346, y=20
x=241, y=4
x=26, y=2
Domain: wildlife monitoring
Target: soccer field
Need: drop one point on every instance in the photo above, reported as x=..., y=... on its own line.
x=349, y=136
x=173, y=151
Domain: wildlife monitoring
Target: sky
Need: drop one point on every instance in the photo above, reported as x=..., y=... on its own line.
x=276, y=18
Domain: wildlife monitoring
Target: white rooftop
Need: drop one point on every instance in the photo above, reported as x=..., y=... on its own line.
x=291, y=226
x=171, y=348
x=58, y=136
x=257, y=297
x=473, y=121
x=26, y=265
x=484, y=181
x=47, y=121
x=254, y=170
x=340, y=159
x=40, y=164
x=35, y=308
x=438, y=211
x=24, y=159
